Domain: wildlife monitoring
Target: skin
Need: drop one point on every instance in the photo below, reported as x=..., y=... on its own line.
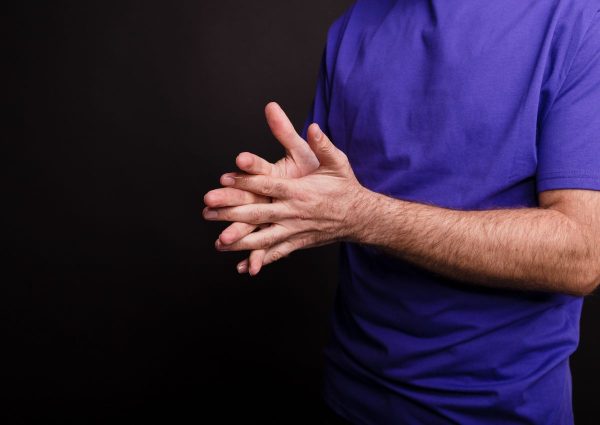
x=555, y=247
x=299, y=160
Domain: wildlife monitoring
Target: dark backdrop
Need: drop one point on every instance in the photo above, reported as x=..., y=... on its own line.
x=115, y=306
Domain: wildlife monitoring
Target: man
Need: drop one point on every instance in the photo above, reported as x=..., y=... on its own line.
x=464, y=184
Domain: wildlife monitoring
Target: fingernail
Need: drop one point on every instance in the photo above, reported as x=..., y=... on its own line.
x=221, y=246
x=242, y=268
x=227, y=180
x=210, y=213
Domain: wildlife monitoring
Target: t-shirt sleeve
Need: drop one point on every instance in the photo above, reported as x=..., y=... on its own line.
x=569, y=143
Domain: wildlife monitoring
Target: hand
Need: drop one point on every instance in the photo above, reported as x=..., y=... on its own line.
x=299, y=160
x=309, y=211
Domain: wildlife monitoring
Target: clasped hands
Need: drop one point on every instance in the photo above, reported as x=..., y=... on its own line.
x=308, y=198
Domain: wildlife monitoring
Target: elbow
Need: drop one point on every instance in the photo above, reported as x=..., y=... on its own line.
x=592, y=284
x=584, y=271
x=587, y=281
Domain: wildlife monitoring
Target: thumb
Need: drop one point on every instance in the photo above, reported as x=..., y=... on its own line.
x=324, y=149
x=282, y=128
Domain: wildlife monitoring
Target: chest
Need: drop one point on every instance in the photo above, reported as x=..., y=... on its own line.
x=417, y=103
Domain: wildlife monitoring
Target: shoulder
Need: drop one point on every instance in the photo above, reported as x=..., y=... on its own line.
x=577, y=27
x=358, y=16
x=569, y=24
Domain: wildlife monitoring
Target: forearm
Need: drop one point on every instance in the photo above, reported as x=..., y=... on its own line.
x=552, y=248
x=528, y=248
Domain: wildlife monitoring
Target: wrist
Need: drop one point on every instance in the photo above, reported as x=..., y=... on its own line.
x=362, y=215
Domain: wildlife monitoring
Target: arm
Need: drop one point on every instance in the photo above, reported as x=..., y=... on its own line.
x=552, y=248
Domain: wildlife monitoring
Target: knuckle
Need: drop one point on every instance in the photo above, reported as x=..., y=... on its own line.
x=299, y=215
x=279, y=187
x=276, y=255
x=268, y=241
x=325, y=147
x=271, y=216
x=267, y=187
x=301, y=243
x=343, y=156
x=304, y=242
x=255, y=215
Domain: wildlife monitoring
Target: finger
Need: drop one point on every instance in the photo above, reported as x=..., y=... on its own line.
x=231, y=197
x=254, y=164
x=282, y=128
x=274, y=187
x=279, y=251
x=325, y=151
x=242, y=266
x=228, y=179
x=255, y=261
x=262, y=239
x=251, y=214
x=235, y=232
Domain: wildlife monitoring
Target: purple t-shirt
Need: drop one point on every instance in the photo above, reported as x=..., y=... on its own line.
x=470, y=105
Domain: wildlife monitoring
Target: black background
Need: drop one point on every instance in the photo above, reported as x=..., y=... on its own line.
x=115, y=306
